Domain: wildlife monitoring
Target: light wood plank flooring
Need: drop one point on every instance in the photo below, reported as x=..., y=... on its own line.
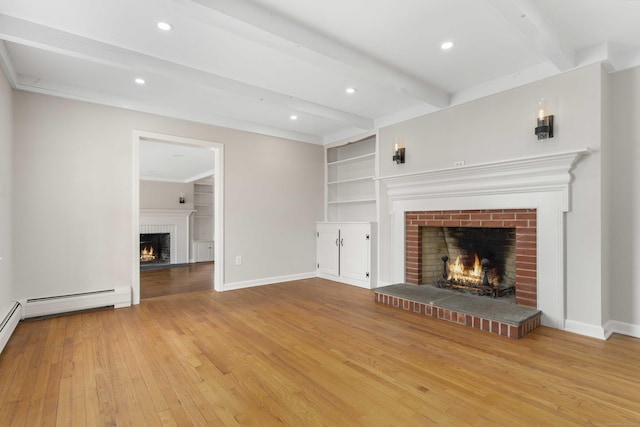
x=306, y=353
x=176, y=280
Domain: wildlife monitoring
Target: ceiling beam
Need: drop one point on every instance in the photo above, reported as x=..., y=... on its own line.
x=7, y=65
x=53, y=40
x=528, y=21
x=51, y=88
x=252, y=17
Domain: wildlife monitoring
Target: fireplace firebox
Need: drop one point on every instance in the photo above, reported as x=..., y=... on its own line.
x=447, y=248
x=479, y=260
x=155, y=248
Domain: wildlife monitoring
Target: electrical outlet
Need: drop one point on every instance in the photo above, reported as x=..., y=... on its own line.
x=458, y=163
x=238, y=259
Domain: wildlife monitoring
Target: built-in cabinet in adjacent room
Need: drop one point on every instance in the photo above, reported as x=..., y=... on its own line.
x=203, y=236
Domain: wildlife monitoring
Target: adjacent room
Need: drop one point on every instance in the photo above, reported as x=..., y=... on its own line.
x=336, y=213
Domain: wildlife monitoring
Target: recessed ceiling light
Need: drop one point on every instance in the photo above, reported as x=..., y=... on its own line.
x=140, y=81
x=165, y=26
x=351, y=90
x=293, y=117
x=446, y=45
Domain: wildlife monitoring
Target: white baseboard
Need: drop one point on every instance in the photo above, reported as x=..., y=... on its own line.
x=117, y=297
x=615, y=327
x=382, y=284
x=587, y=329
x=8, y=323
x=267, y=281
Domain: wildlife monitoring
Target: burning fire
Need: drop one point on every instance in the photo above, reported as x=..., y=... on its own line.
x=459, y=273
x=148, y=254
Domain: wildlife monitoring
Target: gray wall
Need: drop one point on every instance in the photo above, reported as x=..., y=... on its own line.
x=624, y=190
x=73, y=192
x=500, y=127
x=165, y=195
x=6, y=126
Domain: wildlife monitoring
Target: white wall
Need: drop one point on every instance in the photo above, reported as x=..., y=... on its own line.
x=6, y=127
x=624, y=192
x=165, y=195
x=73, y=185
x=500, y=127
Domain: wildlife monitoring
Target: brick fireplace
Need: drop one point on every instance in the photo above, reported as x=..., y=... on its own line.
x=532, y=194
x=523, y=221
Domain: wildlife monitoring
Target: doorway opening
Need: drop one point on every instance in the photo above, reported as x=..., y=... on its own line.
x=178, y=184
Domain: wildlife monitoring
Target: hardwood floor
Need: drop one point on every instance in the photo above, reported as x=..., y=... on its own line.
x=305, y=353
x=176, y=280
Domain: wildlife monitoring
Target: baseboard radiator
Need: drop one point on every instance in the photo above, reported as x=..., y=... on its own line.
x=9, y=323
x=117, y=297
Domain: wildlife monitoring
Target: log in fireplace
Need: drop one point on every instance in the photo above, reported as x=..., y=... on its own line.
x=479, y=260
x=155, y=248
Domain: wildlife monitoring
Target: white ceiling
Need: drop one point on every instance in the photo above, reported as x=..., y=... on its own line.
x=174, y=162
x=251, y=64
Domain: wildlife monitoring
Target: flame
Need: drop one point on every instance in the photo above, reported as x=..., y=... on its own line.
x=148, y=253
x=472, y=275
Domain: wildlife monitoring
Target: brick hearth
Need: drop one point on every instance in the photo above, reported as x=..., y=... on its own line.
x=486, y=314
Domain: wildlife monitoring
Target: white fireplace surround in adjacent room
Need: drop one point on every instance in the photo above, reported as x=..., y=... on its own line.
x=537, y=182
x=172, y=221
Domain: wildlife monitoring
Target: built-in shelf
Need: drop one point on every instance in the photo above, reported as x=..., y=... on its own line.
x=203, y=216
x=344, y=181
x=338, y=202
x=350, y=181
x=352, y=159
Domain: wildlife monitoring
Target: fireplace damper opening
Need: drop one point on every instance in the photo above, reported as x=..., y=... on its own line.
x=480, y=260
x=155, y=248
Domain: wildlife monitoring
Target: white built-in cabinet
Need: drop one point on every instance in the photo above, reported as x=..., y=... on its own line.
x=203, y=250
x=344, y=252
x=203, y=220
x=346, y=241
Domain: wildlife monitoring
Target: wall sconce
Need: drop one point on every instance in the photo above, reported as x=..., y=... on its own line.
x=398, y=152
x=181, y=199
x=544, y=128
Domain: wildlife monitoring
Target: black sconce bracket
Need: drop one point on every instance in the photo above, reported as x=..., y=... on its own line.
x=544, y=129
x=398, y=155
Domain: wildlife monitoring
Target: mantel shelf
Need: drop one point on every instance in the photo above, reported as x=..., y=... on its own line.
x=529, y=174
x=166, y=212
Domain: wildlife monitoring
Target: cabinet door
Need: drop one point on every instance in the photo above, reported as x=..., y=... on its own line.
x=354, y=253
x=204, y=251
x=327, y=250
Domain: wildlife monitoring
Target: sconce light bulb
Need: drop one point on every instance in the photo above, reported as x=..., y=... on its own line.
x=541, y=110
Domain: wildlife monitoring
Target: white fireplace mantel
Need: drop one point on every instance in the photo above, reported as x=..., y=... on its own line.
x=167, y=212
x=172, y=221
x=547, y=172
x=538, y=182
